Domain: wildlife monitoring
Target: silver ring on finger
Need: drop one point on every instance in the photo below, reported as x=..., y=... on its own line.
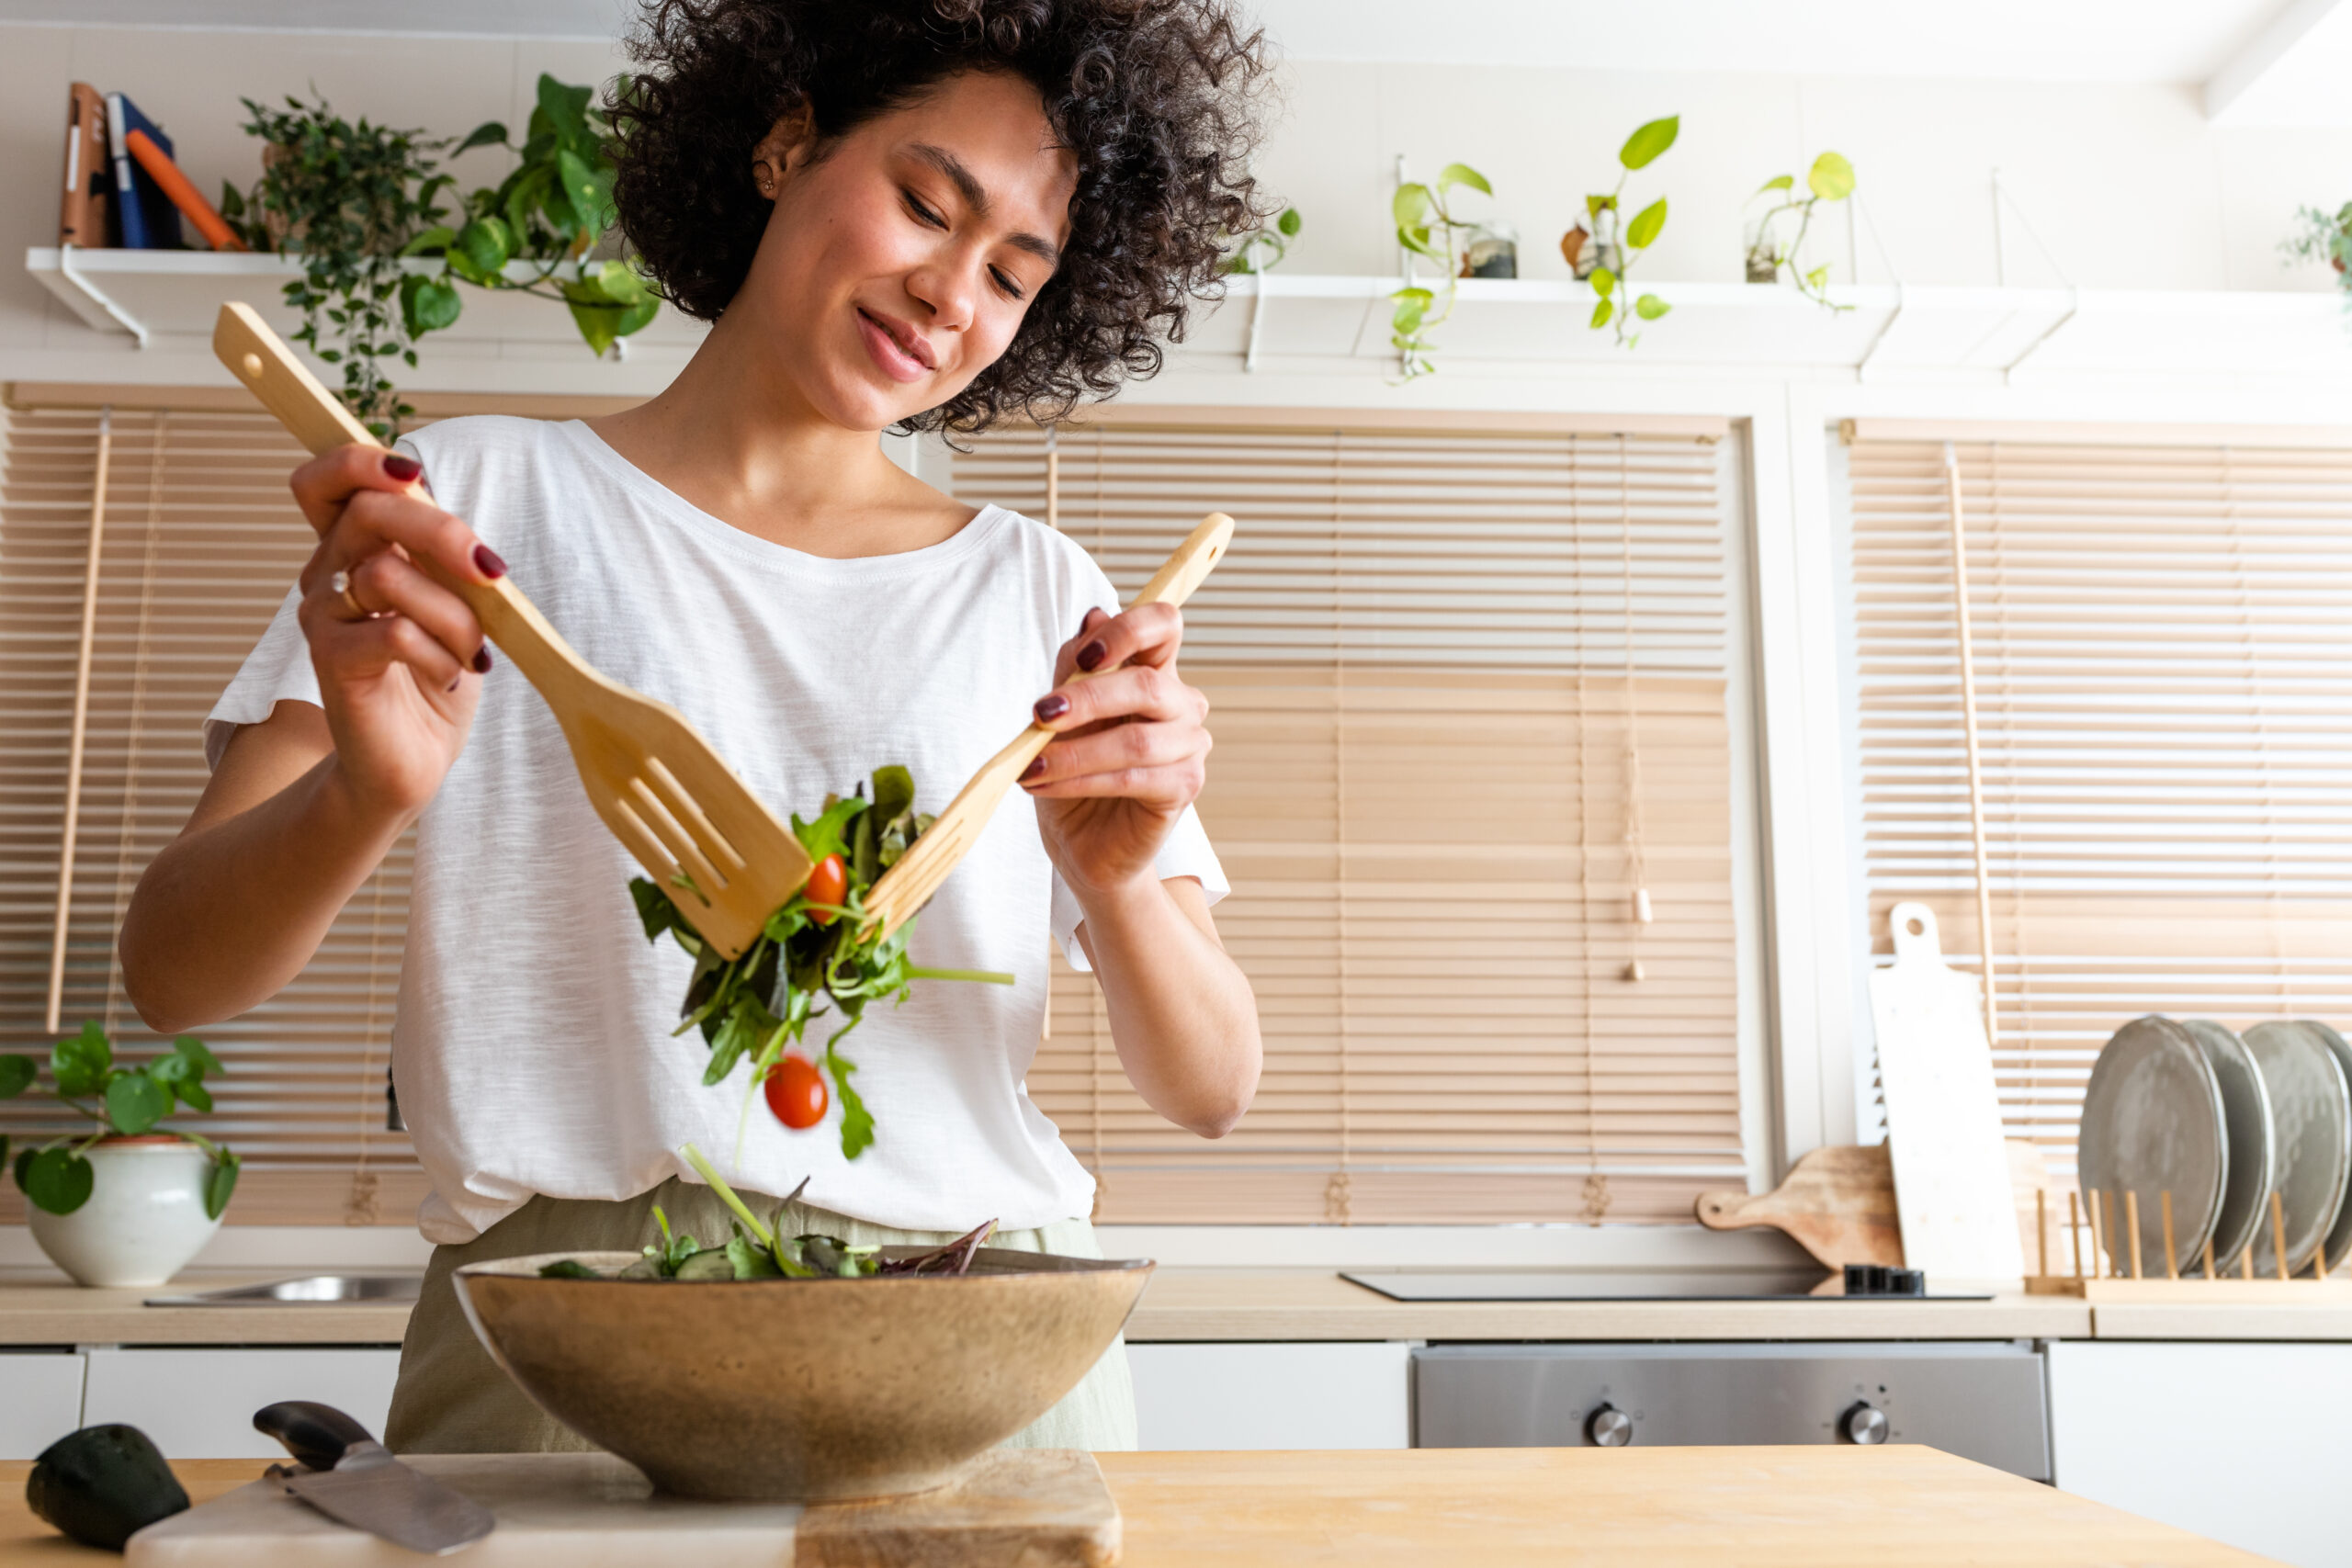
x=340, y=583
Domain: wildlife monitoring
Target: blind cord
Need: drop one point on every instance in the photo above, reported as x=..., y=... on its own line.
x=1968, y=731
x=79, y=733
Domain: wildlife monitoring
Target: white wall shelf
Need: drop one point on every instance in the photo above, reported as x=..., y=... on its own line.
x=1894, y=335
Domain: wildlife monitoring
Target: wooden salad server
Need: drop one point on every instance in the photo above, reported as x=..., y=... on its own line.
x=689, y=821
x=908, y=886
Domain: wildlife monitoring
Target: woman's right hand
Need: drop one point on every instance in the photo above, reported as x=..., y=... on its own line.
x=398, y=655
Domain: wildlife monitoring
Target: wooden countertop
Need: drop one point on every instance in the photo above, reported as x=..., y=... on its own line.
x=1182, y=1303
x=1802, y=1507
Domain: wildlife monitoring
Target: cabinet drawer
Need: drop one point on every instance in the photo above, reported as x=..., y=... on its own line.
x=1270, y=1396
x=40, y=1400
x=200, y=1404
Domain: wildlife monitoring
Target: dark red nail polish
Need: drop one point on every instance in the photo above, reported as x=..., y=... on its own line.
x=1034, y=769
x=482, y=660
x=402, y=467
x=1051, y=708
x=1092, y=654
x=487, y=560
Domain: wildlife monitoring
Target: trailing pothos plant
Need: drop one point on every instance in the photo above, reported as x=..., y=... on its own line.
x=1620, y=240
x=1830, y=179
x=1426, y=226
x=129, y=1102
x=2324, y=236
x=362, y=205
x=552, y=213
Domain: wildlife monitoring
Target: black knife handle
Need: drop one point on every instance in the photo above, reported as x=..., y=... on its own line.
x=315, y=1434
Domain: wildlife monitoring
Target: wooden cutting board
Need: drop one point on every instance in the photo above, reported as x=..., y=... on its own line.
x=1838, y=1204
x=1033, y=1508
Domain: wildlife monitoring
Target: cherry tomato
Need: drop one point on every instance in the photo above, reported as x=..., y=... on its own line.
x=796, y=1093
x=829, y=884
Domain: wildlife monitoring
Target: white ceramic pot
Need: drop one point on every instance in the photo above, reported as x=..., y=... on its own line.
x=144, y=1218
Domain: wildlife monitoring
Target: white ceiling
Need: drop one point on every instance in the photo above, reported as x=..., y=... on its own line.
x=2262, y=61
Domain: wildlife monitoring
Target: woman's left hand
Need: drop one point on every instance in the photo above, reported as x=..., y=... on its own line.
x=1131, y=753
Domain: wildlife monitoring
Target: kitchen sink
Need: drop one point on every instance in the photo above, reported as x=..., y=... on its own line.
x=311, y=1290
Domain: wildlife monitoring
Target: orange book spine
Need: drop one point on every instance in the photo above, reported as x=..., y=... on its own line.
x=82, y=220
x=184, y=194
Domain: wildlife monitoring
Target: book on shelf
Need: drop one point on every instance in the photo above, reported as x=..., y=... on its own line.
x=182, y=192
x=145, y=219
x=83, y=220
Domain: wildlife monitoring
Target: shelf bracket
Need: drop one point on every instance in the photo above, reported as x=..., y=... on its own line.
x=2074, y=309
x=1902, y=297
x=122, y=318
x=1257, y=314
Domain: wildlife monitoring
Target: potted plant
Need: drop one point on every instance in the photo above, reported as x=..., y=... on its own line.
x=2324, y=236
x=1604, y=245
x=1426, y=226
x=1830, y=179
x=128, y=1201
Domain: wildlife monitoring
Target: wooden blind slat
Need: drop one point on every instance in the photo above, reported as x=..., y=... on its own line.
x=1461, y=683
x=200, y=542
x=2162, y=653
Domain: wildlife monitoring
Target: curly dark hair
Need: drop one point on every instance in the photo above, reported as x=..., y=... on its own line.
x=1158, y=100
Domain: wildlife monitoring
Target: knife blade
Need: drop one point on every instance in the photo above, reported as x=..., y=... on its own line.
x=360, y=1484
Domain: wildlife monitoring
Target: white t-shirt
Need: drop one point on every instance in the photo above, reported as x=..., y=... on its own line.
x=532, y=1048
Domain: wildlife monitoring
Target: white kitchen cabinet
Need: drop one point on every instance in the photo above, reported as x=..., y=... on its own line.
x=1271, y=1396
x=40, y=1400
x=2246, y=1443
x=199, y=1403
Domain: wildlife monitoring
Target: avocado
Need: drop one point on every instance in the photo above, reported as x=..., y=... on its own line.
x=99, y=1484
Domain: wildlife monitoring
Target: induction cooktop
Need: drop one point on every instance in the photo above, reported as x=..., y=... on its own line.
x=1606, y=1285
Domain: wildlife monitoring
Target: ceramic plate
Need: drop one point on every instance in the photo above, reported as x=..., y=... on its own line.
x=2252, y=1162
x=2153, y=1122
x=2339, y=1238
x=2311, y=1105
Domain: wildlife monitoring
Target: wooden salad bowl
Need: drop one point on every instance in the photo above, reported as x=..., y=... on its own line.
x=801, y=1390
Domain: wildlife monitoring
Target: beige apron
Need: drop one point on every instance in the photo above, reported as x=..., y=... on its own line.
x=452, y=1398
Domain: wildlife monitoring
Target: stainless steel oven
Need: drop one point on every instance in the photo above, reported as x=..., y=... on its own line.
x=1983, y=1401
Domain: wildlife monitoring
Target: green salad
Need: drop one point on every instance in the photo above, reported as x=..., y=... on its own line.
x=818, y=953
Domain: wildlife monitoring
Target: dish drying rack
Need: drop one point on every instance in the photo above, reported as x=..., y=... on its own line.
x=2108, y=1282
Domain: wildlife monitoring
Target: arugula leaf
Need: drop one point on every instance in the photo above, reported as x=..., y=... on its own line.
x=823, y=836
x=751, y=1260
x=857, y=1122
x=568, y=1269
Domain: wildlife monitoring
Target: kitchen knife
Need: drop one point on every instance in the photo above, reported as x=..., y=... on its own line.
x=353, y=1480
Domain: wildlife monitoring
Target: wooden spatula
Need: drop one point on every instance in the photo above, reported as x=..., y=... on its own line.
x=690, y=822
x=908, y=886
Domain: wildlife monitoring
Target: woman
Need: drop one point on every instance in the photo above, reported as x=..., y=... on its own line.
x=917, y=213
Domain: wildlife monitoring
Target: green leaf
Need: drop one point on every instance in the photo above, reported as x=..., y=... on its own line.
x=751, y=1260
x=894, y=793
x=1418, y=241
x=17, y=1074
x=220, y=1183
x=1645, y=145
x=566, y=107
x=1819, y=277
x=1832, y=178
x=1411, y=206
x=589, y=190
x=489, y=133
x=79, y=1062
x=825, y=835
x=1462, y=174
x=427, y=304
x=1604, y=282
x=190, y=1048
x=1649, y=307
x=23, y=1164
x=1289, y=222
x=1602, y=311
x=1412, y=307
x=568, y=1269
x=1594, y=205
x=1778, y=182
x=1643, y=231
x=857, y=1122
x=135, y=1102
x=57, y=1180
x=437, y=237
x=487, y=242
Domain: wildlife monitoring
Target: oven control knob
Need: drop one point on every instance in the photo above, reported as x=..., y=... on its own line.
x=1865, y=1422
x=1609, y=1427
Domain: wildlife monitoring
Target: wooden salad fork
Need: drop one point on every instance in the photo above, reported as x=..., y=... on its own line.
x=702, y=836
x=908, y=886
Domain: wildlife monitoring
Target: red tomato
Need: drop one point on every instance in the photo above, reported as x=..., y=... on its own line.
x=796, y=1093
x=829, y=884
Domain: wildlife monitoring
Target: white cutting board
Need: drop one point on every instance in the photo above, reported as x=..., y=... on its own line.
x=1943, y=1116
x=554, y=1511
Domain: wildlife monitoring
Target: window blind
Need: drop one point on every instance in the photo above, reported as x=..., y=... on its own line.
x=2162, y=643
x=197, y=540
x=1469, y=696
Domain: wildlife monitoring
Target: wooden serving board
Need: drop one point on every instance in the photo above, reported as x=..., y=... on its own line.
x=1035, y=1508
x=1838, y=1204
